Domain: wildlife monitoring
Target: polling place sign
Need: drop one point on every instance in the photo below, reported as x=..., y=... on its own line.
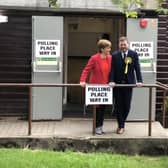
x=47, y=52
x=98, y=94
x=145, y=52
x=143, y=48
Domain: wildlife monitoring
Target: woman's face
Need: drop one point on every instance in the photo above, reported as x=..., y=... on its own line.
x=106, y=50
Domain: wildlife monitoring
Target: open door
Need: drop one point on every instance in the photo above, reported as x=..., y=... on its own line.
x=82, y=43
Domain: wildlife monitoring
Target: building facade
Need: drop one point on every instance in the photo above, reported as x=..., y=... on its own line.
x=102, y=16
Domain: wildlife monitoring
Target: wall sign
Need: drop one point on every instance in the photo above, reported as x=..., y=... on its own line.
x=143, y=48
x=98, y=94
x=145, y=52
x=47, y=52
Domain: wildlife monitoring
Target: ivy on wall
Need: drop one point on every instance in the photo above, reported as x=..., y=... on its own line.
x=161, y=9
x=129, y=7
x=53, y=3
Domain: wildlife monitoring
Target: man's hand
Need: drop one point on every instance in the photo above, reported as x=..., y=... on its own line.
x=139, y=84
x=112, y=84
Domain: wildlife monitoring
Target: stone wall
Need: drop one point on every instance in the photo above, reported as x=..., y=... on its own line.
x=91, y=4
x=62, y=3
x=100, y=4
x=25, y=3
x=129, y=146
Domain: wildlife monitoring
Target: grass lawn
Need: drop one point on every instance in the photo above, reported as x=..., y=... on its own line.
x=24, y=158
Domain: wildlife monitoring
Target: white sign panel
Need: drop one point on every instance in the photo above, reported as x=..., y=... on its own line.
x=98, y=94
x=143, y=48
x=47, y=48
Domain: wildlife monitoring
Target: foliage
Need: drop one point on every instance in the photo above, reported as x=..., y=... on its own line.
x=129, y=7
x=166, y=104
x=161, y=9
x=53, y=3
x=25, y=158
x=131, y=14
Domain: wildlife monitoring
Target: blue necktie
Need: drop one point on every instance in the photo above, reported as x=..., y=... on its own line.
x=124, y=55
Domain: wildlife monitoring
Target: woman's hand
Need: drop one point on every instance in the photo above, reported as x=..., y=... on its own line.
x=83, y=84
x=112, y=84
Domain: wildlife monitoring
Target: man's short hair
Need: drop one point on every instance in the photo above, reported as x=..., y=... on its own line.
x=123, y=38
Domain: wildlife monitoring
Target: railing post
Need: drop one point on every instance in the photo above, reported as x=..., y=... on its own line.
x=150, y=112
x=30, y=111
x=94, y=119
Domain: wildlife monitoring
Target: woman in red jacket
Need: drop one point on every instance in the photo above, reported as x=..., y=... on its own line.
x=98, y=67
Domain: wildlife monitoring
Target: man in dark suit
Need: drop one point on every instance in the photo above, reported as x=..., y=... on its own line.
x=125, y=65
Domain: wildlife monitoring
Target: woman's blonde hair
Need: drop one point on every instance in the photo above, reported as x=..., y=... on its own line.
x=103, y=43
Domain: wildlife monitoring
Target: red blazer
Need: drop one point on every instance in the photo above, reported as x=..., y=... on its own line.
x=93, y=68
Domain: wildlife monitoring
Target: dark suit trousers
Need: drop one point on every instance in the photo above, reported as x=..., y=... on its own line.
x=100, y=115
x=122, y=98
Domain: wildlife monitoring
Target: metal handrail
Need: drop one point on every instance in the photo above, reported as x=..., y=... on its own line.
x=163, y=85
x=31, y=85
x=165, y=89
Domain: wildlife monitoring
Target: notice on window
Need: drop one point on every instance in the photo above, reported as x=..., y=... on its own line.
x=98, y=94
x=47, y=52
x=145, y=52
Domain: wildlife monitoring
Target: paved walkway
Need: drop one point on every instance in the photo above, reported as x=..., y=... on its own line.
x=78, y=129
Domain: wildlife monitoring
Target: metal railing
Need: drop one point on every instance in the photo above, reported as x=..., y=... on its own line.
x=31, y=85
x=165, y=89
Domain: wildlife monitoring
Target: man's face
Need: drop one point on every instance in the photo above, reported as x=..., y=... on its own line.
x=123, y=45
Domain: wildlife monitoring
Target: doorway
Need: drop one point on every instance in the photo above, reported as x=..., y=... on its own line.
x=82, y=34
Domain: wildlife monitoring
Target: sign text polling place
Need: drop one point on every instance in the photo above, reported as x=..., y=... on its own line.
x=98, y=94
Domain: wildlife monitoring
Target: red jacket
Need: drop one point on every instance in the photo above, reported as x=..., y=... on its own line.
x=93, y=68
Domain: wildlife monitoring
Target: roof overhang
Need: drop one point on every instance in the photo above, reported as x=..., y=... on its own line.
x=13, y=10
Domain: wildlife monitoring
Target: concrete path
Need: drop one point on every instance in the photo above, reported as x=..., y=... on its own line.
x=78, y=129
